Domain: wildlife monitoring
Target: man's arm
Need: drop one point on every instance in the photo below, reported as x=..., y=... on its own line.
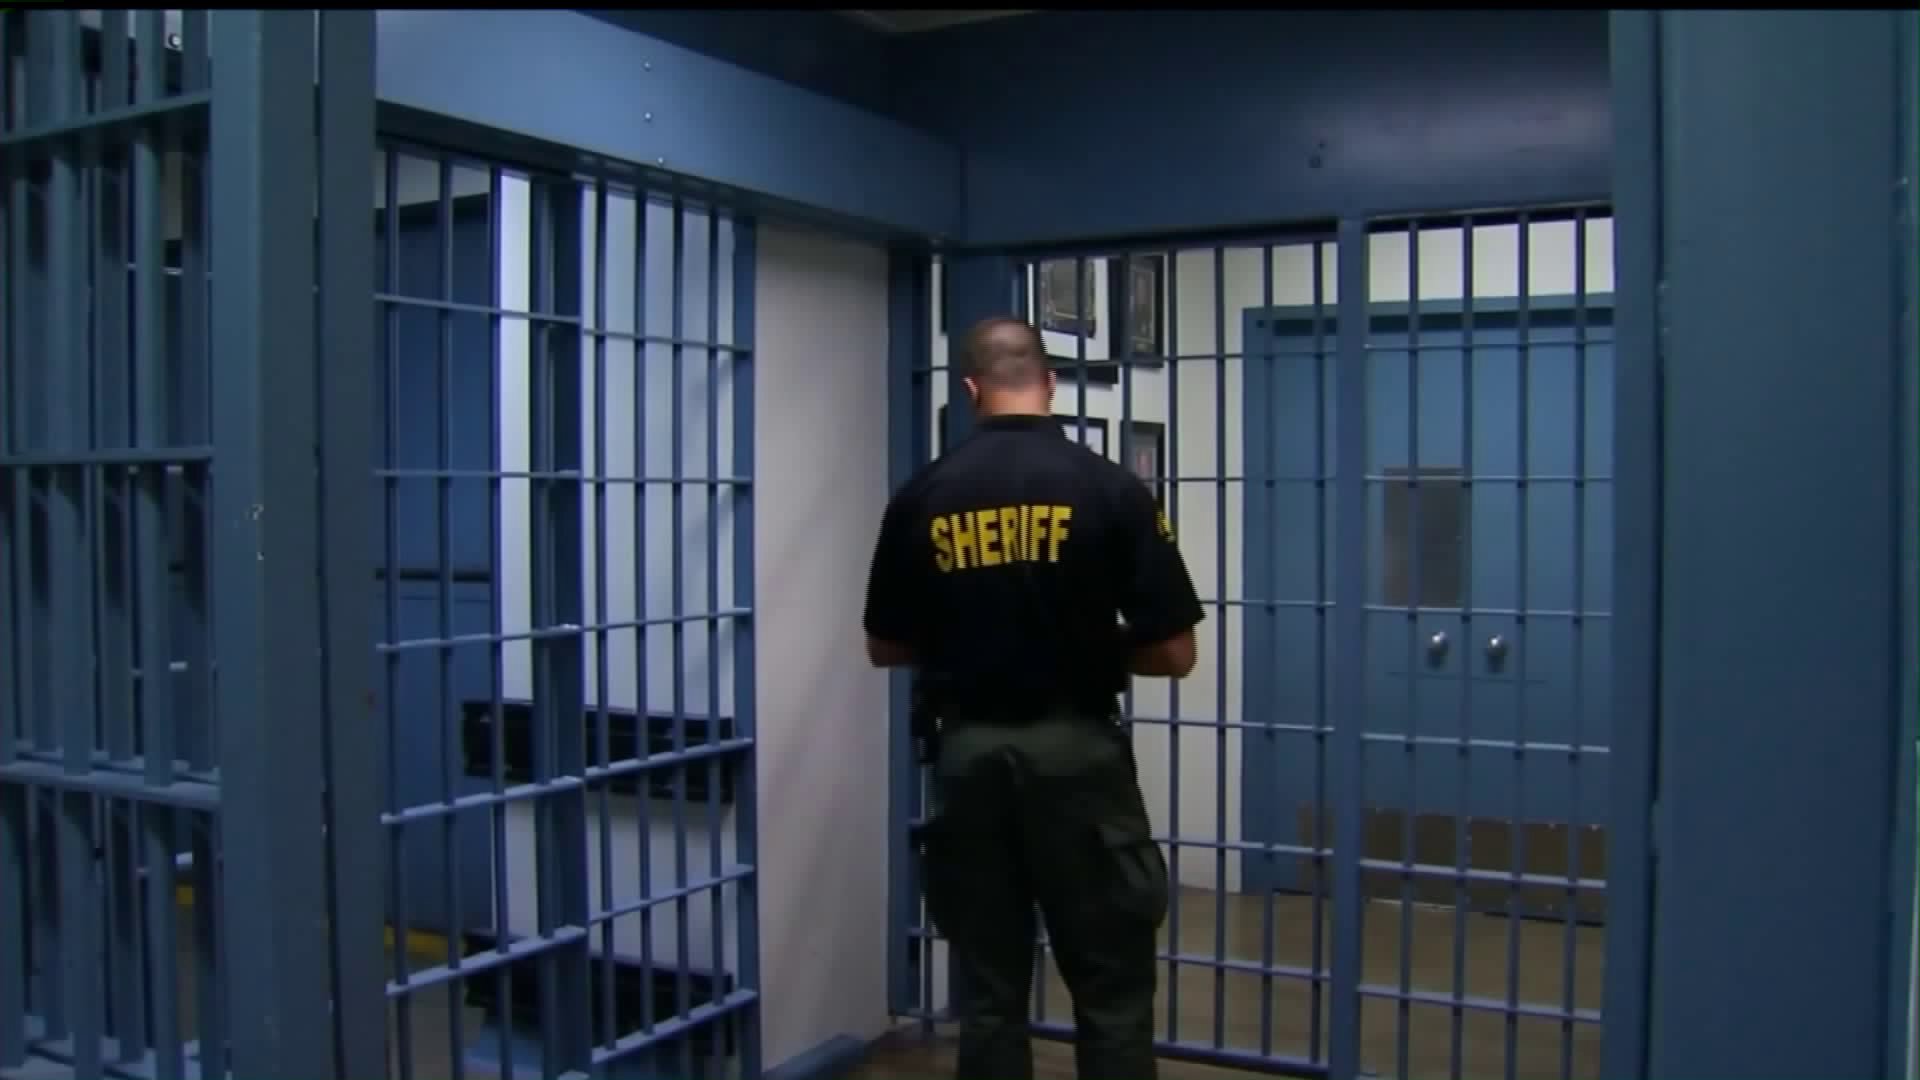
x=1157, y=597
x=888, y=654
x=892, y=595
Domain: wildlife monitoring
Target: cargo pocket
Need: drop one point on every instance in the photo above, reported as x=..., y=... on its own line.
x=940, y=885
x=1138, y=872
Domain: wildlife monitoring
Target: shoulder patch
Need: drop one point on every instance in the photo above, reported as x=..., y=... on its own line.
x=1165, y=526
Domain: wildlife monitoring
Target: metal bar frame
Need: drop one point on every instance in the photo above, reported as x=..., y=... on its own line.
x=1636, y=447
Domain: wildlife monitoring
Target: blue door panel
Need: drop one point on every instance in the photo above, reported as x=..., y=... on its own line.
x=437, y=369
x=462, y=398
x=426, y=736
x=1432, y=674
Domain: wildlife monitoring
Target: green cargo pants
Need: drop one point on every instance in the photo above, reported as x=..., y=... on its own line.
x=1046, y=815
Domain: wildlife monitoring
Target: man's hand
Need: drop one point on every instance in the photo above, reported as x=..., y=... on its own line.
x=888, y=654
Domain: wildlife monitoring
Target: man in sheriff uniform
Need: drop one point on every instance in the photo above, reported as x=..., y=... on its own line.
x=1025, y=577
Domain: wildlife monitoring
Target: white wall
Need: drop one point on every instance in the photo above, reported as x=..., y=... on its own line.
x=1207, y=366
x=821, y=463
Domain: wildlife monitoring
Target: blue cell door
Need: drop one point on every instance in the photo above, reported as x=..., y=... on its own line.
x=1488, y=553
x=436, y=386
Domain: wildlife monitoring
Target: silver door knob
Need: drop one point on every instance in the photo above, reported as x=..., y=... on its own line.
x=1496, y=650
x=1437, y=647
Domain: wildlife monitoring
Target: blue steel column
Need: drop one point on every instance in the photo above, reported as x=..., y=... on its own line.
x=978, y=287
x=1780, y=723
x=747, y=841
x=1347, y=694
x=14, y=848
x=909, y=343
x=265, y=543
x=348, y=406
x=1904, y=1053
x=1631, y=853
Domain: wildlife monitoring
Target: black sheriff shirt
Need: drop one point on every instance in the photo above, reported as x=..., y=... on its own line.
x=1004, y=564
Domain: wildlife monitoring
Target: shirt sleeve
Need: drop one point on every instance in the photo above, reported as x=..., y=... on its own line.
x=1157, y=597
x=892, y=581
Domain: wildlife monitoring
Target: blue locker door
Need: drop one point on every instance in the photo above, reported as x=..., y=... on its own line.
x=1488, y=575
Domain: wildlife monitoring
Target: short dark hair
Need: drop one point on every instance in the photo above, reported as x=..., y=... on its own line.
x=1005, y=353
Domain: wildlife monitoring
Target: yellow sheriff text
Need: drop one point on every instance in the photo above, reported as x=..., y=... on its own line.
x=999, y=536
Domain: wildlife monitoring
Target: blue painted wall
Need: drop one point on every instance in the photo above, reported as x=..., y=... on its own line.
x=1050, y=126
x=1554, y=684
x=821, y=51
x=1080, y=124
x=1780, y=722
x=586, y=87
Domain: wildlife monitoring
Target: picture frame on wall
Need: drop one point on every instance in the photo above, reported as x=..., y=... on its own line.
x=1143, y=449
x=1146, y=310
x=1092, y=435
x=1065, y=302
x=1079, y=332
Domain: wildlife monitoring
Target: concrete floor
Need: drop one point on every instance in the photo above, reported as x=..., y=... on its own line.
x=1229, y=1003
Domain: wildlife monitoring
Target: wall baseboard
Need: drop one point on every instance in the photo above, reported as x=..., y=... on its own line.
x=827, y=1060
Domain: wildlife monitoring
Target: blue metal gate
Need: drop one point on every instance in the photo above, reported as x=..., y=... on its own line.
x=565, y=592
x=1385, y=448
x=525, y=555
x=167, y=722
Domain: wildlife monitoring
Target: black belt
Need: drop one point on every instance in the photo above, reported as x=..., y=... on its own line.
x=1092, y=708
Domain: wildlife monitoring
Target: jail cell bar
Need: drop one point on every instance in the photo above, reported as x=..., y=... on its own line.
x=132, y=377
x=566, y=597
x=1383, y=793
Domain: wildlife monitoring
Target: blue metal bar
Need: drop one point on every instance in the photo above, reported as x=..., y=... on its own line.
x=1262, y=582
x=194, y=375
x=1906, y=989
x=642, y=375
x=114, y=586
x=158, y=721
x=1415, y=599
x=1174, y=927
x=112, y=409
x=1322, y=692
x=676, y=455
x=715, y=824
x=1569, y=934
x=400, y=955
x=69, y=578
x=909, y=340
x=348, y=404
x=496, y=653
x=559, y=602
x=1347, y=698
x=15, y=853
x=14, y=839
x=210, y=945
x=445, y=708
x=1517, y=834
x=603, y=751
x=271, y=876
x=1222, y=648
x=1463, y=810
x=745, y=704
